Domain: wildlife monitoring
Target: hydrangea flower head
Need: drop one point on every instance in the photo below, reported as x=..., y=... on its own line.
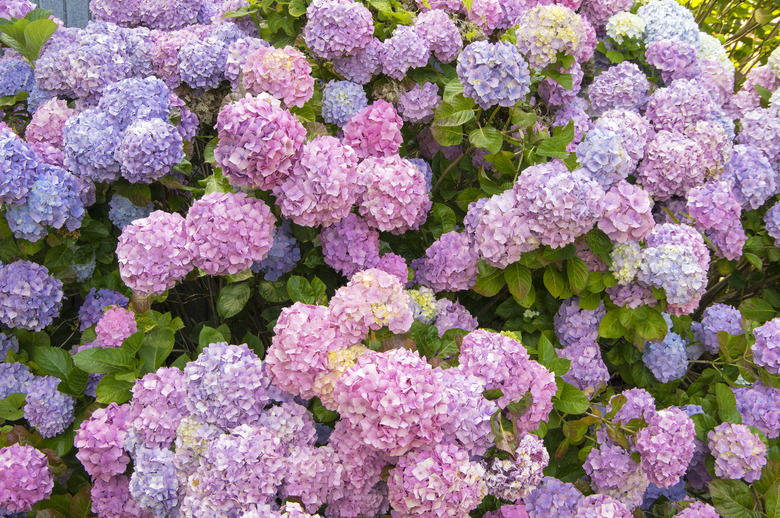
x=238, y=51
x=613, y=472
x=675, y=59
x=341, y=100
x=666, y=446
x=47, y=409
x=679, y=105
x=599, y=506
x=350, y=245
x=672, y=165
x=30, y=298
x=545, y=30
x=572, y=323
x=90, y=145
x=96, y=302
x=158, y=406
x=667, y=360
x=624, y=26
x=115, y=326
x=772, y=222
x=552, y=495
x=759, y=406
x=18, y=165
x=283, y=256
x=513, y=479
x=283, y=73
x=587, y=369
x=26, y=479
x=48, y=122
x=419, y=103
x=751, y=176
x=361, y=67
x=738, y=452
x=100, y=441
x=336, y=28
x=493, y=74
x=149, y=150
x=759, y=129
x=627, y=213
x=122, y=211
x=374, y=131
x=622, y=86
x=154, y=484
x=766, y=349
x=132, y=99
x=202, y=62
x=406, y=48
x=16, y=379
x=602, y=156
x=441, y=33
x=453, y=315
x=668, y=19
x=449, y=264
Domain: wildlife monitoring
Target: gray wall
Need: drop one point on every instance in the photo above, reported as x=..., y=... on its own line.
x=75, y=13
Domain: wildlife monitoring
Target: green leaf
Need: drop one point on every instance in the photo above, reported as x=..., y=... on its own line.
x=457, y=112
x=772, y=498
x=553, y=281
x=53, y=361
x=490, y=280
x=570, y=400
x=274, y=291
x=156, y=348
x=763, y=92
x=11, y=408
x=209, y=335
x=615, y=56
x=598, y=242
x=770, y=476
x=577, y=271
x=447, y=135
x=610, y=326
x=300, y=290
x=757, y=309
x=75, y=383
x=502, y=161
x=98, y=360
x=452, y=90
x=444, y=220
x=727, y=404
x=113, y=390
x=487, y=138
x=518, y=280
x=297, y=8
x=319, y=288
x=549, y=357
x=35, y=35
x=553, y=147
x=563, y=79
x=321, y=414
x=37, y=14
x=732, y=498
x=653, y=326
x=232, y=299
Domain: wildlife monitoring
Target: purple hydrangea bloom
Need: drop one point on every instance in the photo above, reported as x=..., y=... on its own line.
x=90, y=145
x=599, y=506
x=738, y=452
x=16, y=8
x=18, y=168
x=552, y=497
x=419, y=103
x=760, y=129
x=486, y=15
x=667, y=360
x=374, y=131
x=622, y=86
x=312, y=474
x=122, y=211
x=627, y=213
x=154, y=484
x=666, y=446
x=395, y=265
x=45, y=130
x=30, y=298
x=283, y=73
x=441, y=33
x=321, y=188
x=613, y=472
x=469, y=413
x=546, y=30
x=751, y=176
x=453, y=315
x=336, y=28
x=283, y=256
x=129, y=100
x=600, y=11
x=238, y=51
x=158, y=406
x=554, y=94
x=698, y=510
x=587, y=369
x=47, y=409
x=514, y=478
x=227, y=232
x=675, y=59
x=26, y=479
x=673, y=494
x=361, y=67
x=666, y=19
x=715, y=144
x=572, y=323
x=679, y=105
x=350, y=245
x=406, y=48
x=499, y=230
x=748, y=98
x=166, y=47
x=96, y=302
x=639, y=405
x=100, y=440
x=202, y=62
x=17, y=76
x=439, y=480
x=766, y=349
x=413, y=415
x=633, y=130
x=292, y=422
x=449, y=264
x=341, y=100
x=226, y=386
x=8, y=343
x=759, y=406
x=149, y=150
x=258, y=142
x=15, y=379
x=493, y=74
x=392, y=195
x=362, y=464
x=152, y=253
x=603, y=158
x=672, y=165
x=53, y=200
x=718, y=76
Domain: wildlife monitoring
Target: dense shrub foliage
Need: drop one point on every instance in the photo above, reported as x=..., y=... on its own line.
x=441, y=258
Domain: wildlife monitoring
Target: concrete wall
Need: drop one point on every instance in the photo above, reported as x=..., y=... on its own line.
x=75, y=13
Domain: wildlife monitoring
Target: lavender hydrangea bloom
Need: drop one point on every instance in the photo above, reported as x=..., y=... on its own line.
x=546, y=30
x=53, y=200
x=675, y=59
x=613, y=472
x=202, y=62
x=30, y=298
x=587, y=369
x=412, y=417
x=90, y=145
x=751, y=176
x=158, y=406
x=17, y=76
x=283, y=73
x=449, y=264
x=361, y=67
x=627, y=213
x=100, y=440
x=666, y=360
x=8, y=343
x=238, y=51
x=738, y=452
x=392, y=195
x=666, y=19
x=258, y=142
x=603, y=158
x=452, y=315
x=760, y=129
x=16, y=8
x=283, y=256
x=15, y=379
x=312, y=474
x=419, y=103
x=47, y=409
x=622, y=86
x=486, y=15
x=18, y=166
x=572, y=323
x=439, y=480
x=129, y=100
x=226, y=386
x=552, y=496
x=639, y=404
x=350, y=245
x=679, y=105
x=336, y=28
x=123, y=212
x=672, y=165
x=26, y=479
x=772, y=222
x=154, y=484
x=493, y=74
x=468, y=424
x=698, y=510
x=766, y=349
x=554, y=94
x=666, y=446
x=395, y=265
x=406, y=48
x=514, y=478
x=341, y=100
x=599, y=12
x=715, y=144
x=374, y=131
x=441, y=33
x=599, y=506
x=759, y=406
x=149, y=150
x=96, y=302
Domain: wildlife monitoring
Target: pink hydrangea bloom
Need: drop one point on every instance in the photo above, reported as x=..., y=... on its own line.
x=627, y=214
x=374, y=131
x=666, y=446
x=738, y=452
x=158, y=406
x=100, y=441
x=26, y=478
x=283, y=73
x=115, y=326
x=350, y=245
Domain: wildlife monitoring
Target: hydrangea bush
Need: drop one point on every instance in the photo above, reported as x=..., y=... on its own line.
x=343, y=258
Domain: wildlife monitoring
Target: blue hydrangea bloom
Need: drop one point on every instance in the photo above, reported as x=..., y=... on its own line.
x=47, y=409
x=16, y=75
x=123, y=211
x=772, y=222
x=341, y=100
x=54, y=200
x=426, y=169
x=30, y=298
x=667, y=360
x=493, y=73
x=18, y=165
x=202, y=63
x=673, y=494
x=8, y=343
x=83, y=272
x=96, y=302
x=601, y=154
x=667, y=19
x=131, y=99
x=154, y=483
x=91, y=144
x=36, y=98
x=284, y=255
x=15, y=378
x=149, y=150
